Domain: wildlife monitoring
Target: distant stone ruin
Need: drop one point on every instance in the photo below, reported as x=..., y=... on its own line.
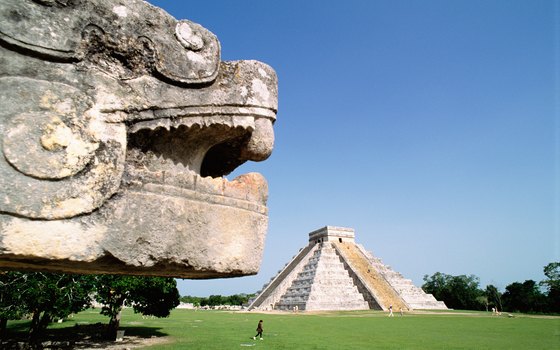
x=117, y=125
x=334, y=273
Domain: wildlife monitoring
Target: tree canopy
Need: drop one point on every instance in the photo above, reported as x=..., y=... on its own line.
x=552, y=284
x=215, y=300
x=45, y=296
x=524, y=297
x=48, y=296
x=11, y=300
x=154, y=296
x=463, y=292
x=457, y=292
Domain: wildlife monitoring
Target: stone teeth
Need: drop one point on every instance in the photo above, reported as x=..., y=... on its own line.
x=223, y=120
x=251, y=187
x=188, y=122
x=151, y=124
x=178, y=167
x=246, y=122
x=183, y=178
x=210, y=185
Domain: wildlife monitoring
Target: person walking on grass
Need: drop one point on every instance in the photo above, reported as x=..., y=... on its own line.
x=259, y=330
x=391, y=311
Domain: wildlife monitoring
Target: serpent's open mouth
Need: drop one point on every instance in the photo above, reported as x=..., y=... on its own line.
x=192, y=154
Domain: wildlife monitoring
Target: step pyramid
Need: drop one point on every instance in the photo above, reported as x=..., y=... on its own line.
x=334, y=273
x=323, y=275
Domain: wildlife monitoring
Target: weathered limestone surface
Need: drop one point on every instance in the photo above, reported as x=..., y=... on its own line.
x=324, y=284
x=335, y=273
x=279, y=284
x=412, y=295
x=375, y=283
x=117, y=125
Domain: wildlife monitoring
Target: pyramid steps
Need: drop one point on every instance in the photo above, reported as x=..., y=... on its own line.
x=412, y=295
x=271, y=292
x=375, y=282
x=324, y=284
x=334, y=273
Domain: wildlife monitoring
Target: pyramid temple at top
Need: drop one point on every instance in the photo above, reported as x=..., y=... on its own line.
x=334, y=273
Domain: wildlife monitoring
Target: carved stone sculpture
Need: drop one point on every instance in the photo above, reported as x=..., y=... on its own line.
x=117, y=125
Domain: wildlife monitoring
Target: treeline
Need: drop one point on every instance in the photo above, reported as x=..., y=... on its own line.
x=46, y=297
x=464, y=292
x=215, y=300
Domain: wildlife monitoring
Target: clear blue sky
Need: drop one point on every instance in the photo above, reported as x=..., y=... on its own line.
x=430, y=127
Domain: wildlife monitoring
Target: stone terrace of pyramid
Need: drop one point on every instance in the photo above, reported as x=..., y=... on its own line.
x=334, y=273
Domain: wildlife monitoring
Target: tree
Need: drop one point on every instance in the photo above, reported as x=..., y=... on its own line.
x=215, y=300
x=457, y=292
x=154, y=296
x=552, y=284
x=524, y=297
x=237, y=299
x=11, y=305
x=191, y=299
x=466, y=292
x=44, y=296
x=494, y=296
x=552, y=271
x=436, y=285
x=52, y=295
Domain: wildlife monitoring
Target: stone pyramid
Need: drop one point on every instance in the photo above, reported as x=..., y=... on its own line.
x=334, y=273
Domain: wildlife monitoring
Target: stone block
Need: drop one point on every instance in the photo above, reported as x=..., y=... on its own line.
x=118, y=125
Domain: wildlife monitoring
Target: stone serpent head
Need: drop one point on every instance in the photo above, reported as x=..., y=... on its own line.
x=118, y=125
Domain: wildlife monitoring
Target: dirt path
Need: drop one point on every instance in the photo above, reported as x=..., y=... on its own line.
x=127, y=343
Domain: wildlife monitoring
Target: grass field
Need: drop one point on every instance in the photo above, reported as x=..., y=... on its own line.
x=187, y=329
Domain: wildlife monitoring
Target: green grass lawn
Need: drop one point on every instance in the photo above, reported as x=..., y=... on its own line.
x=187, y=329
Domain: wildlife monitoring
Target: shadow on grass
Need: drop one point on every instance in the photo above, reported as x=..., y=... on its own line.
x=80, y=336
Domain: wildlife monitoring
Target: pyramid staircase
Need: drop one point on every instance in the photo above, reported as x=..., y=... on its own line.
x=412, y=295
x=373, y=281
x=272, y=291
x=334, y=273
x=323, y=284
